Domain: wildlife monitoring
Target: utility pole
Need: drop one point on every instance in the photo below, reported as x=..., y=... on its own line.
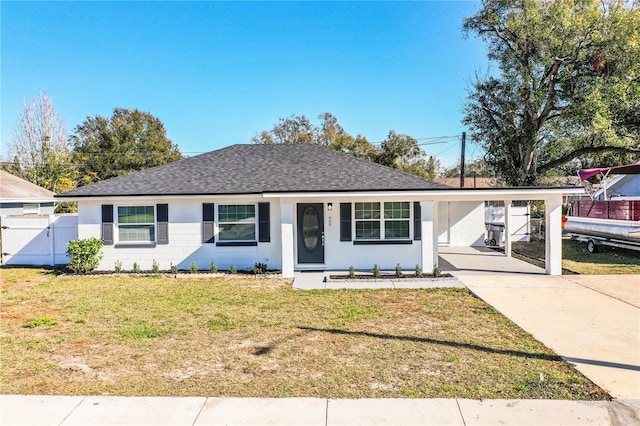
x=464, y=141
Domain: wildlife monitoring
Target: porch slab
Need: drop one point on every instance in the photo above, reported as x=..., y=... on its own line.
x=482, y=261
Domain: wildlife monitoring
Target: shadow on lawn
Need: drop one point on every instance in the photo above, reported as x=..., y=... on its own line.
x=437, y=342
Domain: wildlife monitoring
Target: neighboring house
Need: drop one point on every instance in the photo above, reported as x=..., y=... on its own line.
x=30, y=233
x=20, y=197
x=294, y=207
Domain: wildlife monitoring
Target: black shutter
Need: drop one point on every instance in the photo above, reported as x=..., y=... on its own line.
x=264, y=223
x=107, y=224
x=208, y=222
x=162, y=210
x=345, y=221
x=417, y=221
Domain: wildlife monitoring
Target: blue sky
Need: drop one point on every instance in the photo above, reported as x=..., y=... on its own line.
x=216, y=73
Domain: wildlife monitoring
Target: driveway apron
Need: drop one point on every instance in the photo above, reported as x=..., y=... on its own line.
x=597, y=329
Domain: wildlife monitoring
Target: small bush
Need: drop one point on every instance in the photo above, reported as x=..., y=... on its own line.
x=259, y=268
x=118, y=267
x=155, y=268
x=398, y=271
x=376, y=271
x=84, y=255
x=352, y=272
x=213, y=268
x=136, y=268
x=173, y=268
x=436, y=271
x=233, y=269
x=418, y=271
x=193, y=268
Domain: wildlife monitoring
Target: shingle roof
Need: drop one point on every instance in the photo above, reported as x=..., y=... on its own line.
x=256, y=169
x=15, y=188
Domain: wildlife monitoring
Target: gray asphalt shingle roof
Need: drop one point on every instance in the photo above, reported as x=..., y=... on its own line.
x=256, y=169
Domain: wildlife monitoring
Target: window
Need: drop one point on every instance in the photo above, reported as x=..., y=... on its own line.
x=393, y=225
x=237, y=222
x=136, y=224
x=396, y=220
x=367, y=221
x=30, y=208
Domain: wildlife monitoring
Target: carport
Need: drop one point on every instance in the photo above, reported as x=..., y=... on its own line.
x=552, y=197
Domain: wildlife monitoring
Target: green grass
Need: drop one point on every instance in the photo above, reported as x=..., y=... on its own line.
x=251, y=337
x=576, y=258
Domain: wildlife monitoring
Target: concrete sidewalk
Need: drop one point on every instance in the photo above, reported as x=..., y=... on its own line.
x=113, y=410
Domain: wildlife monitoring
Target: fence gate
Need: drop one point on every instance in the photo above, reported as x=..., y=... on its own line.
x=37, y=240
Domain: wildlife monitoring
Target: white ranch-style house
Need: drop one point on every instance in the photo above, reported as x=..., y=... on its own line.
x=294, y=207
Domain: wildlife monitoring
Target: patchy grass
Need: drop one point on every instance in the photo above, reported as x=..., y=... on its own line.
x=253, y=337
x=576, y=258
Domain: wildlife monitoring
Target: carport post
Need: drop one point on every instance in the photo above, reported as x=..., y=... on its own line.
x=553, y=235
x=507, y=228
x=286, y=226
x=429, y=246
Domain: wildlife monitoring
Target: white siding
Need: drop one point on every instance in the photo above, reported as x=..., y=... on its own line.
x=467, y=224
x=185, y=239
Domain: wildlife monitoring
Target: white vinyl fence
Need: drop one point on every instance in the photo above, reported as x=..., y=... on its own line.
x=520, y=221
x=37, y=240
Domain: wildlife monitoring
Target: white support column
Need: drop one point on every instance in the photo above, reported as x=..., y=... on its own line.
x=286, y=226
x=434, y=221
x=507, y=228
x=429, y=247
x=553, y=235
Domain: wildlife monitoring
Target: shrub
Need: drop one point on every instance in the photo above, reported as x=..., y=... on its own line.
x=213, y=268
x=193, y=268
x=398, y=271
x=376, y=271
x=233, y=269
x=155, y=268
x=173, y=268
x=259, y=268
x=84, y=255
x=418, y=271
x=118, y=267
x=352, y=272
x=136, y=268
x=436, y=271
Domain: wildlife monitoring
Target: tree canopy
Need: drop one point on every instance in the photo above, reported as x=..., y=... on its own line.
x=128, y=141
x=565, y=92
x=399, y=151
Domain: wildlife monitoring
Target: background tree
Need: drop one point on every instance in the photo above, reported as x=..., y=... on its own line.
x=39, y=151
x=566, y=92
x=128, y=141
x=401, y=152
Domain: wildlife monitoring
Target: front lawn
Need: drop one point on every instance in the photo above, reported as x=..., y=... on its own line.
x=253, y=337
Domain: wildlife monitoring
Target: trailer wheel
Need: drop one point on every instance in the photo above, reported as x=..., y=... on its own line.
x=592, y=247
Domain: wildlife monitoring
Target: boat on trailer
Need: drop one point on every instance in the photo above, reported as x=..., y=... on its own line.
x=612, y=221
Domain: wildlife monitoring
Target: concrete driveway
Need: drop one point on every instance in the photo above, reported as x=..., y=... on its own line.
x=591, y=321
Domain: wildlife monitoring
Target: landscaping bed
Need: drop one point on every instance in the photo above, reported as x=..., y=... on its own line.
x=387, y=277
x=254, y=337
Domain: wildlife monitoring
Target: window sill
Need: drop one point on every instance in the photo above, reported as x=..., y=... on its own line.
x=236, y=243
x=381, y=242
x=135, y=245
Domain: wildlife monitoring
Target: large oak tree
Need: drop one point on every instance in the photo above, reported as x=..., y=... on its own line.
x=564, y=91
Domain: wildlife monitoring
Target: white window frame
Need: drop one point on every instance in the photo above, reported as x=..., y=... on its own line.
x=133, y=242
x=219, y=223
x=382, y=221
x=33, y=207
